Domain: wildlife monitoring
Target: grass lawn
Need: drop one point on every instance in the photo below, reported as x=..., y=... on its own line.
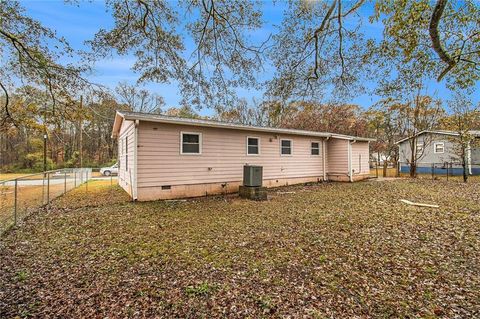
x=329, y=250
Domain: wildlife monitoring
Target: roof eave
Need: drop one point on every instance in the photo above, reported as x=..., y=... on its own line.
x=117, y=124
x=126, y=116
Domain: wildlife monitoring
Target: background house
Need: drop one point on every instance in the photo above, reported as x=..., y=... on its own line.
x=168, y=157
x=438, y=149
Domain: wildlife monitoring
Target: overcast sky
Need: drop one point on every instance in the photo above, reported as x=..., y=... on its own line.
x=78, y=23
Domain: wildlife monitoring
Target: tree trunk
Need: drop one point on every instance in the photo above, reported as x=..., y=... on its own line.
x=385, y=166
x=413, y=170
x=465, y=174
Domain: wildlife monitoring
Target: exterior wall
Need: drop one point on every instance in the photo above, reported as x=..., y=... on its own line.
x=429, y=156
x=126, y=147
x=197, y=190
x=360, y=158
x=337, y=158
x=224, y=152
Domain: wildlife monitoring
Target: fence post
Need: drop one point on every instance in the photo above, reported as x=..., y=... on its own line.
x=15, y=203
x=447, y=171
x=433, y=171
x=43, y=189
x=376, y=169
x=64, y=181
x=48, y=189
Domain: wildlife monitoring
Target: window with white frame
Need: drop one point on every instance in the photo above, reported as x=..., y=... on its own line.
x=419, y=148
x=191, y=143
x=315, y=148
x=439, y=148
x=286, y=147
x=253, y=145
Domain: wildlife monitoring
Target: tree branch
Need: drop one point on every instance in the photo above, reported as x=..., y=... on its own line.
x=435, y=37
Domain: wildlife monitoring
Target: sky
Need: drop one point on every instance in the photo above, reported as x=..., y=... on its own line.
x=79, y=22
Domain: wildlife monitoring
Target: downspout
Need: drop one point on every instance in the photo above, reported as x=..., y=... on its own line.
x=135, y=164
x=350, y=173
x=324, y=160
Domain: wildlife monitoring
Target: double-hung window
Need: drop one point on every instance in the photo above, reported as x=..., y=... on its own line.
x=439, y=148
x=315, y=148
x=419, y=148
x=191, y=143
x=253, y=146
x=286, y=147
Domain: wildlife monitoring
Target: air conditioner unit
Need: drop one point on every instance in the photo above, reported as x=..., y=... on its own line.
x=252, y=176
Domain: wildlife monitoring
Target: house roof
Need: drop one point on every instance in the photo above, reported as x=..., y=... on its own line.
x=439, y=132
x=158, y=118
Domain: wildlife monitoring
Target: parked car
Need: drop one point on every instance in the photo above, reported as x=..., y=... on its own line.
x=111, y=170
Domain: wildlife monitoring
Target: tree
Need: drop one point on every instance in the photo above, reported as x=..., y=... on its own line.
x=442, y=34
x=465, y=118
x=319, y=48
x=30, y=54
x=223, y=56
x=139, y=100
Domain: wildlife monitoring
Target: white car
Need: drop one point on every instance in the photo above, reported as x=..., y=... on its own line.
x=107, y=171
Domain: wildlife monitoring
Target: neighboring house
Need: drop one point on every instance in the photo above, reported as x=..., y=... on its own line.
x=438, y=149
x=164, y=157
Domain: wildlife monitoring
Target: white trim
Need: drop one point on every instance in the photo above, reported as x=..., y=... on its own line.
x=291, y=146
x=435, y=147
x=253, y=137
x=311, y=148
x=200, y=142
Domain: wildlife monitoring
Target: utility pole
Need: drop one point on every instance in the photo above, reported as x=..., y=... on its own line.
x=45, y=138
x=80, y=124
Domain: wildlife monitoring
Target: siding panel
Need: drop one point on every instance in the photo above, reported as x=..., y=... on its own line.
x=223, y=156
x=126, y=145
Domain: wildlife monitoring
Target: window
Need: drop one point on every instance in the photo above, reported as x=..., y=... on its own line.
x=191, y=143
x=439, y=148
x=253, y=146
x=286, y=147
x=315, y=148
x=419, y=148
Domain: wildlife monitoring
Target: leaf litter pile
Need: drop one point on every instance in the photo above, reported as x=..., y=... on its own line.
x=327, y=250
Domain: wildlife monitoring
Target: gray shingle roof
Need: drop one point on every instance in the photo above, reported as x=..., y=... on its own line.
x=218, y=124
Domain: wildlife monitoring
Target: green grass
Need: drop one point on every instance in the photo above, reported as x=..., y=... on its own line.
x=329, y=250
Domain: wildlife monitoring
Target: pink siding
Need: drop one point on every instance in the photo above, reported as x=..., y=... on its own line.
x=126, y=146
x=337, y=156
x=360, y=158
x=223, y=156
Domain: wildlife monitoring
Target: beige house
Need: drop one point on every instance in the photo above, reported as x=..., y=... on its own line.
x=163, y=157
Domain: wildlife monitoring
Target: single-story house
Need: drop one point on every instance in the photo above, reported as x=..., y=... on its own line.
x=163, y=157
x=435, y=151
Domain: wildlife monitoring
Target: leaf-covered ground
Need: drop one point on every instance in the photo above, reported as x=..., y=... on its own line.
x=329, y=250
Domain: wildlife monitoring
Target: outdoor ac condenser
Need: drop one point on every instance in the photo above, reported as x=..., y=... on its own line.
x=252, y=176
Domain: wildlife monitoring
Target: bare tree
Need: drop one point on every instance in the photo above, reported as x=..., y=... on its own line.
x=139, y=100
x=465, y=119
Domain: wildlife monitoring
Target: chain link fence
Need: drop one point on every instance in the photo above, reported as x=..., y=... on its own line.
x=436, y=171
x=21, y=196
